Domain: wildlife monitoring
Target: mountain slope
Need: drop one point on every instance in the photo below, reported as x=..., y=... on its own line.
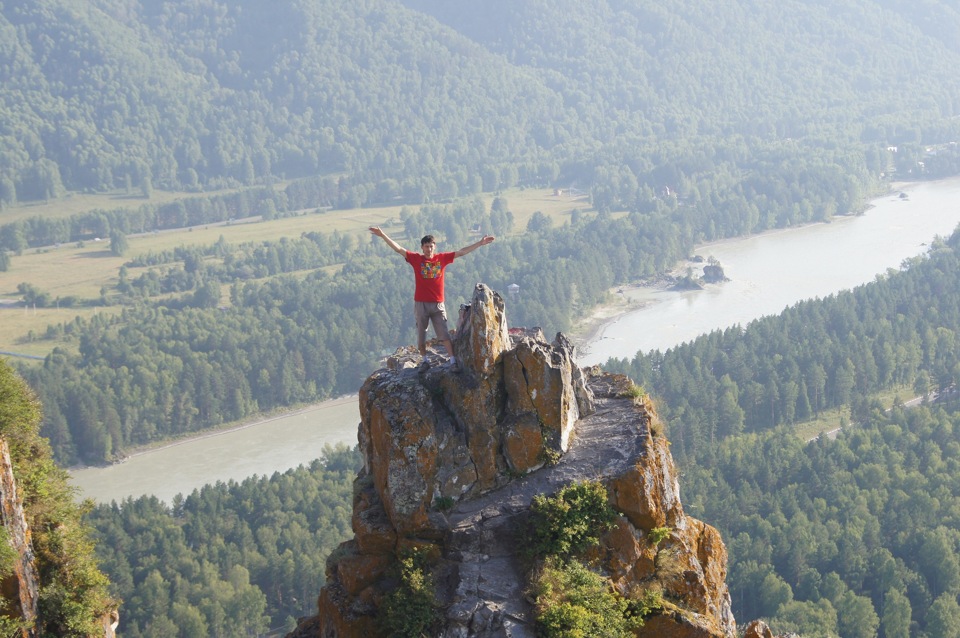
x=204, y=93
x=729, y=67
x=230, y=92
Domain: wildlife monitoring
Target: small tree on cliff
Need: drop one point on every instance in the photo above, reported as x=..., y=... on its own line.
x=410, y=610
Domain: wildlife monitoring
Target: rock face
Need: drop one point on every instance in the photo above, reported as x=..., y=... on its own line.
x=453, y=460
x=23, y=585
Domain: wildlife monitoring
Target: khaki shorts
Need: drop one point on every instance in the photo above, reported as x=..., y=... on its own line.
x=425, y=312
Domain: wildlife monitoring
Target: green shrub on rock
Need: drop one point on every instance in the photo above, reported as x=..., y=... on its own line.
x=573, y=602
x=409, y=610
x=570, y=522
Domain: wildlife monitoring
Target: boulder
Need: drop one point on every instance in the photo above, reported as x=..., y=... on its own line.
x=758, y=629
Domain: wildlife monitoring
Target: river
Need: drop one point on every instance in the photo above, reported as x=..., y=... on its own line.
x=273, y=445
x=767, y=273
x=774, y=270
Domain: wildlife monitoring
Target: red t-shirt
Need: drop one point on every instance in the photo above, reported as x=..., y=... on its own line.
x=428, y=274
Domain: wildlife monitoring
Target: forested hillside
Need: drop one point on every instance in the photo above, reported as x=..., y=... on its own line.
x=833, y=71
x=846, y=537
x=200, y=94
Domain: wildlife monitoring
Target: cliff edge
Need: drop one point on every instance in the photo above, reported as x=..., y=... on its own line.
x=453, y=462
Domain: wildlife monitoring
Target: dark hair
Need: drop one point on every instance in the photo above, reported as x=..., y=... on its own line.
x=427, y=239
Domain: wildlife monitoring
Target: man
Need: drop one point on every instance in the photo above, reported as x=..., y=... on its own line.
x=428, y=266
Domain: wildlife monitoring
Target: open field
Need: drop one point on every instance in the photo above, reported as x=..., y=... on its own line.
x=354, y=221
x=75, y=203
x=524, y=203
x=828, y=421
x=832, y=419
x=16, y=325
x=82, y=270
x=66, y=271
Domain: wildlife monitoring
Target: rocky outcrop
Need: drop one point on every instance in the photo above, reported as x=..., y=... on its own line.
x=22, y=585
x=713, y=274
x=757, y=629
x=452, y=461
x=20, y=591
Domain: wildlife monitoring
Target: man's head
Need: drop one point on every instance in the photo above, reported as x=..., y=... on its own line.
x=428, y=245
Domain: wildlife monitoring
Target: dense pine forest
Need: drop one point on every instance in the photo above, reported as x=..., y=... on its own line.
x=681, y=122
x=391, y=104
x=856, y=537
x=233, y=559
x=199, y=93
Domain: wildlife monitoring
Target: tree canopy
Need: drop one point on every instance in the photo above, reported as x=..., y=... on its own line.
x=426, y=99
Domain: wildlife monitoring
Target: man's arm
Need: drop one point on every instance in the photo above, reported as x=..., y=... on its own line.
x=396, y=247
x=472, y=247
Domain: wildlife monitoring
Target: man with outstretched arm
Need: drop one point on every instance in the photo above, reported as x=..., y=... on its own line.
x=428, y=266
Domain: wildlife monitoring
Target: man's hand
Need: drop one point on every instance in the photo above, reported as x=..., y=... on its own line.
x=376, y=230
x=472, y=247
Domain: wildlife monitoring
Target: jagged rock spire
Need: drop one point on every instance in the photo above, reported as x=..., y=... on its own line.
x=453, y=460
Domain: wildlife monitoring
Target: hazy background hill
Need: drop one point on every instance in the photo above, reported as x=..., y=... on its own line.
x=105, y=93
x=773, y=70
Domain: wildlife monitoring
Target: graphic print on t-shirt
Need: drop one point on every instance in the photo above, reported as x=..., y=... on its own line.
x=430, y=269
x=429, y=275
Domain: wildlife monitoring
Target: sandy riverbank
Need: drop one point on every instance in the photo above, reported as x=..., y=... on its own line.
x=623, y=300
x=628, y=298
